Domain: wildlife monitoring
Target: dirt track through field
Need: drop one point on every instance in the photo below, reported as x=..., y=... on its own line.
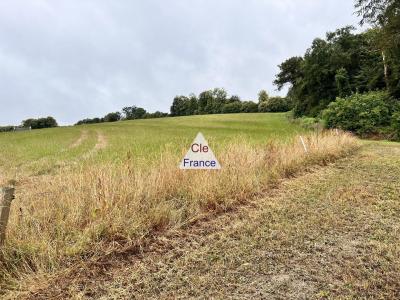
x=101, y=143
x=327, y=234
x=80, y=140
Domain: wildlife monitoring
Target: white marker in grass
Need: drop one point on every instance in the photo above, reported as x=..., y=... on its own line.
x=304, y=144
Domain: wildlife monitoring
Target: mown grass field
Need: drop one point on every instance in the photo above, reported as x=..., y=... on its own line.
x=84, y=192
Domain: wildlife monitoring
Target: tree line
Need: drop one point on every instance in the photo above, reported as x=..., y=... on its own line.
x=351, y=80
x=345, y=63
x=31, y=123
x=127, y=113
x=215, y=101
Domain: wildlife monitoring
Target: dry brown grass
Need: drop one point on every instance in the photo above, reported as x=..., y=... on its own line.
x=81, y=213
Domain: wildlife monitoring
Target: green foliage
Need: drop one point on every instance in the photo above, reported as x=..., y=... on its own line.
x=112, y=117
x=360, y=113
x=385, y=16
x=341, y=64
x=134, y=112
x=308, y=123
x=249, y=107
x=233, y=107
x=90, y=121
x=40, y=123
x=275, y=104
x=395, y=124
x=155, y=115
x=342, y=82
x=184, y=106
x=6, y=128
x=263, y=96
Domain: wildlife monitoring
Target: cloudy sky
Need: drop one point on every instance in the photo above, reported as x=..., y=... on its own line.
x=83, y=58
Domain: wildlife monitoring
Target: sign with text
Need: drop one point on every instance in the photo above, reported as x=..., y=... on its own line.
x=200, y=156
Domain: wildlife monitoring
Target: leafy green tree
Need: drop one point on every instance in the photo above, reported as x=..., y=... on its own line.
x=180, y=106
x=233, y=107
x=40, y=123
x=184, y=106
x=341, y=64
x=249, y=107
x=263, y=96
x=385, y=16
x=133, y=112
x=342, y=82
x=233, y=99
x=193, y=106
x=275, y=104
x=90, y=121
x=204, y=98
x=216, y=101
x=112, y=117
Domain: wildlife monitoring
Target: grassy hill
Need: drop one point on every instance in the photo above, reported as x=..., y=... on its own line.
x=39, y=151
x=84, y=192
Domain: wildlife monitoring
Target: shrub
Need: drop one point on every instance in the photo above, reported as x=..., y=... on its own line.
x=112, y=117
x=40, y=123
x=249, y=107
x=360, y=113
x=308, y=122
x=275, y=104
x=230, y=108
x=6, y=128
x=395, y=122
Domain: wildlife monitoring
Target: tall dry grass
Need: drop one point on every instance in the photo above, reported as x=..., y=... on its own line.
x=90, y=210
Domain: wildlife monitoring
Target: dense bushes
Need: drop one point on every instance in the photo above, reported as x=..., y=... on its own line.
x=31, y=124
x=275, y=104
x=112, y=117
x=40, y=123
x=6, y=128
x=231, y=108
x=395, y=125
x=363, y=114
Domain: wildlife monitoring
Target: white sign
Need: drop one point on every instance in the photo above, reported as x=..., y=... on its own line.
x=200, y=156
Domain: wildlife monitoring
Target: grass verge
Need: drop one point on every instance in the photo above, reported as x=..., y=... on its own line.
x=76, y=215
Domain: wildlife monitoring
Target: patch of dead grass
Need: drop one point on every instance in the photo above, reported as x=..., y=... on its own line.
x=76, y=215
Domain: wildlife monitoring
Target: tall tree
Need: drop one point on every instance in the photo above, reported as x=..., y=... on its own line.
x=263, y=96
x=337, y=65
x=385, y=15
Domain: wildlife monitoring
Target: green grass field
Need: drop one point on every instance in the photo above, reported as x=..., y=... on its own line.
x=82, y=192
x=39, y=151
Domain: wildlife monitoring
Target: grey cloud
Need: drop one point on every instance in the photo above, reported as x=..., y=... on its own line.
x=80, y=58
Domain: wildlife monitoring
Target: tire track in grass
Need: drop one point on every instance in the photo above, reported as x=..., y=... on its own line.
x=101, y=144
x=80, y=140
x=84, y=135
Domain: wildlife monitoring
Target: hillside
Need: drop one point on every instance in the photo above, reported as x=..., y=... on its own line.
x=41, y=151
x=85, y=193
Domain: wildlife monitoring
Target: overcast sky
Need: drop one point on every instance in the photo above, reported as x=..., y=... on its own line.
x=79, y=58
